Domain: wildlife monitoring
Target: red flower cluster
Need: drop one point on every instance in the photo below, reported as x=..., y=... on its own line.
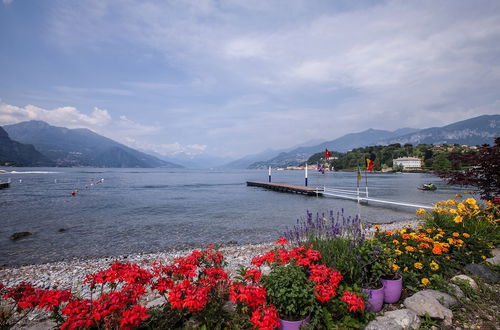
x=120, y=272
x=249, y=294
x=327, y=281
x=189, y=281
x=354, y=302
x=265, y=318
x=26, y=296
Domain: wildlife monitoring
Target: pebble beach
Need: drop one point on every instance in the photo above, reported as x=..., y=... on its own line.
x=71, y=274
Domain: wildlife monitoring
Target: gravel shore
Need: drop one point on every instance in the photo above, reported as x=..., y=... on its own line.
x=71, y=274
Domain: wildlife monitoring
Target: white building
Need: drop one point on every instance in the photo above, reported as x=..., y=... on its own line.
x=408, y=163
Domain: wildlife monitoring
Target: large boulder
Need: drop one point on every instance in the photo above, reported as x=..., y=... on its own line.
x=469, y=280
x=428, y=302
x=483, y=272
x=400, y=319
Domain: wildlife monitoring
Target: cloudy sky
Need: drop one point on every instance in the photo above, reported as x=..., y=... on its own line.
x=235, y=77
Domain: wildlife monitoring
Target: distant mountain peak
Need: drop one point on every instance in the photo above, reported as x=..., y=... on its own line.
x=80, y=147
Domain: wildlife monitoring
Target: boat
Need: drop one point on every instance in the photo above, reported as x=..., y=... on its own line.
x=428, y=186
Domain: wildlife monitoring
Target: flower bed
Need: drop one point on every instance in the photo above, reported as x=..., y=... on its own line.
x=319, y=275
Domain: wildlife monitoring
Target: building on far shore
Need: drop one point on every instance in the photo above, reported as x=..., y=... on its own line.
x=408, y=163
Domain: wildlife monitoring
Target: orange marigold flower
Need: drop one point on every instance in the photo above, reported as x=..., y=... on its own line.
x=405, y=236
x=395, y=242
x=418, y=265
x=429, y=230
x=466, y=235
x=455, y=234
x=424, y=246
x=410, y=248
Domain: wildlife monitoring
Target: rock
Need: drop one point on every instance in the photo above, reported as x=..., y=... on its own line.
x=494, y=260
x=456, y=291
x=19, y=235
x=483, y=272
x=61, y=230
x=471, y=282
x=156, y=302
x=400, y=319
x=424, y=302
x=444, y=298
x=495, y=252
x=47, y=324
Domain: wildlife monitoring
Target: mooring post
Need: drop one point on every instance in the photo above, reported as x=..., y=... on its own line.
x=269, y=173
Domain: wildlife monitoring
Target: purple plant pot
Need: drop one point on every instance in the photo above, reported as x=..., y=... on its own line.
x=375, y=299
x=392, y=290
x=293, y=325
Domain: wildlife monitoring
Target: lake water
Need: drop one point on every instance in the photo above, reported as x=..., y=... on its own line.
x=143, y=210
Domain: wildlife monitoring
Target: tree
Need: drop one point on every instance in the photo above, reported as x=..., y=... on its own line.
x=441, y=163
x=484, y=173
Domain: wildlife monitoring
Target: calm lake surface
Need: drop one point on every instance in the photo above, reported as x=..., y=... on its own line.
x=144, y=210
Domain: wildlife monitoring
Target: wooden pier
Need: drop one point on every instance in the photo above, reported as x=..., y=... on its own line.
x=287, y=188
x=4, y=185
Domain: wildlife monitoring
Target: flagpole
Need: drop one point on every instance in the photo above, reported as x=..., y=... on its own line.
x=366, y=179
x=306, y=175
x=357, y=182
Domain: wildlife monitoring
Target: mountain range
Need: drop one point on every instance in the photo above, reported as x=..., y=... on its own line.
x=15, y=153
x=79, y=147
x=36, y=143
x=474, y=131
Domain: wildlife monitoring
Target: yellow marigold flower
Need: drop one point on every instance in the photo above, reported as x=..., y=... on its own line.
x=402, y=231
x=446, y=245
x=418, y=265
x=377, y=227
x=420, y=227
x=458, y=219
x=425, y=281
x=398, y=252
x=395, y=267
x=420, y=211
x=450, y=240
x=474, y=207
x=453, y=211
x=458, y=196
x=470, y=201
x=466, y=235
x=405, y=269
x=395, y=242
x=434, y=265
x=484, y=257
x=461, y=207
x=455, y=234
x=410, y=248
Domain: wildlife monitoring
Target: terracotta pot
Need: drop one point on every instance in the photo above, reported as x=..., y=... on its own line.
x=375, y=299
x=293, y=325
x=392, y=290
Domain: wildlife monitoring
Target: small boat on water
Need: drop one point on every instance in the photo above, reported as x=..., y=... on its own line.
x=428, y=186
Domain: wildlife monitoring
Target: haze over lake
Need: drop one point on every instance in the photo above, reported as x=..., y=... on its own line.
x=142, y=210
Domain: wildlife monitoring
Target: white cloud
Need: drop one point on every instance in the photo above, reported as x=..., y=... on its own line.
x=63, y=116
x=7, y=2
x=98, y=120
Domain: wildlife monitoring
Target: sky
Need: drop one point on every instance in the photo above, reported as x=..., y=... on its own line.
x=236, y=77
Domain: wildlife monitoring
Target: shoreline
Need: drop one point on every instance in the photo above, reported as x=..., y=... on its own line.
x=70, y=275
